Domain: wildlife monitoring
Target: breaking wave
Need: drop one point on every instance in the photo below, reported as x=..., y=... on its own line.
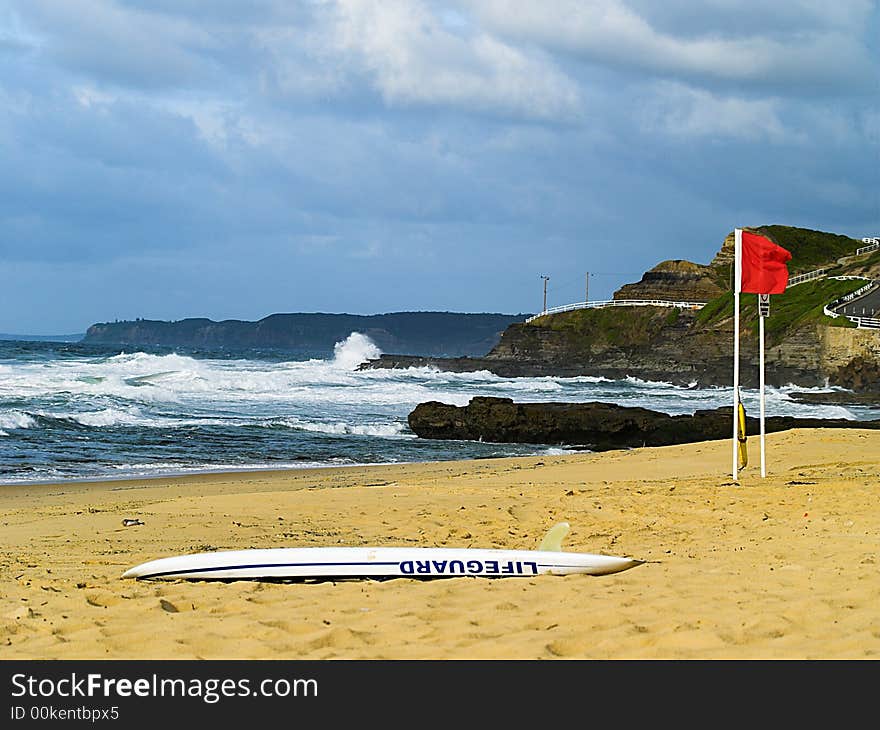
x=16, y=419
x=357, y=348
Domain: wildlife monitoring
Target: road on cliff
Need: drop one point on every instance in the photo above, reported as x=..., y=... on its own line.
x=866, y=306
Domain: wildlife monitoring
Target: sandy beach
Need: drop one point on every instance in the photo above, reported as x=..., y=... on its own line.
x=784, y=567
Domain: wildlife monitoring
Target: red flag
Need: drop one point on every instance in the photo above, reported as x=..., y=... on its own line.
x=763, y=265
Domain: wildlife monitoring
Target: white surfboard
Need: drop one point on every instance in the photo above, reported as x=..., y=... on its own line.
x=383, y=562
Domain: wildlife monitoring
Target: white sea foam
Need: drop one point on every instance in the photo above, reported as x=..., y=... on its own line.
x=110, y=417
x=172, y=467
x=778, y=403
x=165, y=469
x=137, y=382
x=357, y=348
x=649, y=383
x=16, y=419
x=386, y=430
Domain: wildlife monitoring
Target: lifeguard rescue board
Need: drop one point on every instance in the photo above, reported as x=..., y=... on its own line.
x=383, y=562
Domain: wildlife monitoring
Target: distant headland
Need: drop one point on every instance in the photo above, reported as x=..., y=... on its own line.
x=429, y=334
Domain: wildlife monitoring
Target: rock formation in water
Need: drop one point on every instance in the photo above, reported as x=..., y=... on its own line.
x=596, y=426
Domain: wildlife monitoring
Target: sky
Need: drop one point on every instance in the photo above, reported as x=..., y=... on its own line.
x=167, y=159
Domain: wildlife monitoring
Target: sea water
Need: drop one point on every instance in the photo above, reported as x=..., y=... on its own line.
x=76, y=411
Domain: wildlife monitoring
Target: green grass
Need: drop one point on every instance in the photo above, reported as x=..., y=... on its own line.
x=618, y=326
x=797, y=306
x=810, y=249
x=716, y=310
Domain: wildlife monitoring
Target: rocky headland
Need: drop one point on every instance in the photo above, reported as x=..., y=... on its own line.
x=804, y=347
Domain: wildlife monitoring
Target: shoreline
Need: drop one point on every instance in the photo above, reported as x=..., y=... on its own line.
x=782, y=567
x=546, y=448
x=223, y=471
x=246, y=470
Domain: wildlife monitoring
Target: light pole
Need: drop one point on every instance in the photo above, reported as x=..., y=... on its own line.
x=546, y=279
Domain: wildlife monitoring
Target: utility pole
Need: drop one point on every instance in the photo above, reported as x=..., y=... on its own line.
x=546, y=279
x=587, y=289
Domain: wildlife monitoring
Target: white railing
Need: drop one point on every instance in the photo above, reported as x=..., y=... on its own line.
x=866, y=323
x=809, y=276
x=861, y=322
x=873, y=245
x=618, y=303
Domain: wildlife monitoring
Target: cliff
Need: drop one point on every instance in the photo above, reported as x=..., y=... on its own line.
x=438, y=334
x=694, y=346
x=676, y=281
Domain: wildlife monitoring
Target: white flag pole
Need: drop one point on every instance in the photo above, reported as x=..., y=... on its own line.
x=761, y=337
x=737, y=284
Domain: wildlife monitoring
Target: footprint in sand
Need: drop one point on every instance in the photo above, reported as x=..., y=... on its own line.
x=103, y=599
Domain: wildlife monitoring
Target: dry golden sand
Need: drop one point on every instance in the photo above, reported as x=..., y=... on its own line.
x=782, y=567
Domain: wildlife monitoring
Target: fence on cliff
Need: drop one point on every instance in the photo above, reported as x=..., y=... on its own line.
x=860, y=322
x=618, y=303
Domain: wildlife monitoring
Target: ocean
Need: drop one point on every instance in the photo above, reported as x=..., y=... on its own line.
x=71, y=411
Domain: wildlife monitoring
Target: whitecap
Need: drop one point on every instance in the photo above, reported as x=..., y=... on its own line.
x=385, y=430
x=16, y=419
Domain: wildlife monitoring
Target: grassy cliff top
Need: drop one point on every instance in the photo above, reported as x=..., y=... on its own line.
x=798, y=306
x=810, y=249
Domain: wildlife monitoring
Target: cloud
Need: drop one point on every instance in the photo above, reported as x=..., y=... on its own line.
x=783, y=18
x=407, y=53
x=678, y=110
x=413, y=55
x=128, y=46
x=821, y=51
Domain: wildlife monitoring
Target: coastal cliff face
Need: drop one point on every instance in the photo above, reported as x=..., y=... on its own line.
x=652, y=343
x=670, y=346
x=851, y=357
x=683, y=351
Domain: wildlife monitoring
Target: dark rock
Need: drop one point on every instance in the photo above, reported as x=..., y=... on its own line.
x=838, y=397
x=598, y=426
x=860, y=374
x=504, y=368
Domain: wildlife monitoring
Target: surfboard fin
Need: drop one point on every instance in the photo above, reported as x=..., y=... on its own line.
x=552, y=541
